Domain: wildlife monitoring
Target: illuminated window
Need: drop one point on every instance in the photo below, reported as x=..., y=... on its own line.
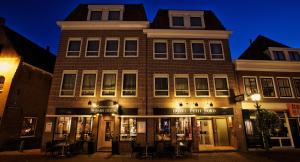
x=183, y=128
x=201, y=85
x=2, y=80
x=68, y=83
x=63, y=127
x=164, y=129
x=88, y=84
x=284, y=87
x=74, y=46
x=28, y=127
x=221, y=86
x=129, y=87
x=182, y=86
x=128, y=129
x=84, y=128
x=109, y=79
x=250, y=86
x=161, y=85
x=268, y=87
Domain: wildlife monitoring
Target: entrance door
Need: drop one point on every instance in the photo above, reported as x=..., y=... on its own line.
x=106, y=132
x=206, y=133
x=222, y=132
x=295, y=129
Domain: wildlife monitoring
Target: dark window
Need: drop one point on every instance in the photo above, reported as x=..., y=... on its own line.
x=177, y=21
x=112, y=47
x=279, y=55
x=28, y=127
x=294, y=55
x=161, y=86
x=129, y=85
x=74, y=48
x=68, y=84
x=296, y=83
x=93, y=48
x=179, y=51
x=88, y=85
x=268, y=87
x=284, y=87
x=131, y=48
x=114, y=15
x=221, y=87
x=96, y=15
x=216, y=51
x=2, y=80
x=250, y=86
x=182, y=86
x=160, y=50
x=198, y=50
x=201, y=87
x=196, y=21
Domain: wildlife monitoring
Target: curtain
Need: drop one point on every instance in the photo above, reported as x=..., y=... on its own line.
x=69, y=81
x=109, y=81
x=181, y=83
x=89, y=82
x=201, y=84
x=129, y=82
x=221, y=84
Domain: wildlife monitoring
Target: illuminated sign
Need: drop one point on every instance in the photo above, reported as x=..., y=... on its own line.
x=193, y=111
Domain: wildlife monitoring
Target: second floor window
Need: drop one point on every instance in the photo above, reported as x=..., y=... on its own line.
x=284, y=87
x=88, y=84
x=294, y=56
x=279, y=55
x=216, y=50
x=221, y=86
x=182, y=86
x=109, y=84
x=198, y=50
x=179, y=51
x=68, y=84
x=96, y=15
x=131, y=48
x=250, y=86
x=268, y=87
x=160, y=50
x=296, y=83
x=201, y=86
x=114, y=15
x=92, y=48
x=129, y=88
x=2, y=80
x=74, y=48
x=161, y=86
x=177, y=21
x=112, y=48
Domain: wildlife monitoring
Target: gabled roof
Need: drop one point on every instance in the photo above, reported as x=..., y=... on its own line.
x=132, y=12
x=256, y=51
x=30, y=52
x=161, y=21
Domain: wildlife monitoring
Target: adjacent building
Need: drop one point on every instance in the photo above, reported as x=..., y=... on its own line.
x=119, y=77
x=25, y=79
x=271, y=69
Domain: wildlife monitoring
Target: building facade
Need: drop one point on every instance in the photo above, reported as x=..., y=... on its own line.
x=119, y=77
x=25, y=79
x=271, y=69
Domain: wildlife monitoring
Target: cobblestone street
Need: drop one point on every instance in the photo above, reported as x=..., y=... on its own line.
x=258, y=156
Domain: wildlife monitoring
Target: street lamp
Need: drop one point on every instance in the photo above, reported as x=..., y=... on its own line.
x=256, y=97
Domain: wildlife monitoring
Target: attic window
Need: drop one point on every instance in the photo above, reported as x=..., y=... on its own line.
x=294, y=56
x=2, y=80
x=178, y=21
x=114, y=15
x=279, y=55
x=96, y=15
x=196, y=21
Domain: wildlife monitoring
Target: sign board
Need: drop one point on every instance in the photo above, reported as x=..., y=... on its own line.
x=48, y=127
x=294, y=110
x=141, y=127
x=105, y=110
x=193, y=111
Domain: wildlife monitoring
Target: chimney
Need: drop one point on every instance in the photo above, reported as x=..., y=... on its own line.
x=2, y=21
x=48, y=48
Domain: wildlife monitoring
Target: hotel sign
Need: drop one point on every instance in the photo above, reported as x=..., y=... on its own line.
x=105, y=110
x=294, y=110
x=193, y=111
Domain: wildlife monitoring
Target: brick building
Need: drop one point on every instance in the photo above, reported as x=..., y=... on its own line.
x=271, y=69
x=117, y=76
x=25, y=79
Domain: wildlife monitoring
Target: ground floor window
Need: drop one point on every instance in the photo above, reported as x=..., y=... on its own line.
x=84, y=128
x=28, y=127
x=63, y=127
x=164, y=129
x=128, y=129
x=183, y=129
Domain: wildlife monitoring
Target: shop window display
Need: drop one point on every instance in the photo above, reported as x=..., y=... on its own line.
x=128, y=129
x=164, y=129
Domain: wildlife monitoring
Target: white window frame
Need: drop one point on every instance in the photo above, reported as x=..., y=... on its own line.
x=257, y=86
x=228, y=87
x=197, y=41
x=177, y=15
x=201, y=76
x=161, y=76
x=88, y=72
x=62, y=79
x=137, y=48
x=34, y=126
x=197, y=27
x=179, y=41
x=160, y=41
x=86, y=46
x=261, y=86
x=220, y=42
x=291, y=87
x=67, y=50
x=136, y=78
x=182, y=76
x=108, y=39
x=102, y=80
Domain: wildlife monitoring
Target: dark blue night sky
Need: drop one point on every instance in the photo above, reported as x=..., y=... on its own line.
x=277, y=19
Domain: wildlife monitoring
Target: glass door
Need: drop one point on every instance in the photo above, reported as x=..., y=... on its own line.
x=222, y=132
x=106, y=132
x=205, y=133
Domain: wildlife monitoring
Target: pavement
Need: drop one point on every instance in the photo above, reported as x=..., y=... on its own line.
x=292, y=155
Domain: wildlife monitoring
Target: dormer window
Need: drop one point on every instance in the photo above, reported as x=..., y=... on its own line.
x=178, y=21
x=186, y=19
x=294, y=56
x=279, y=55
x=96, y=15
x=196, y=21
x=105, y=12
x=114, y=15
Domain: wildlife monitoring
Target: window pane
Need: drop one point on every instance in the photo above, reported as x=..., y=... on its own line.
x=161, y=87
x=296, y=83
x=284, y=87
x=294, y=55
x=221, y=87
x=28, y=127
x=96, y=15
x=179, y=50
x=109, y=84
x=181, y=86
x=128, y=129
x=198, y=50
x=129, y=85
x=88, y=85
x=74, y=48
x=201, y=84
x=196, y=21
x=114, y=15
x=68, y=84
x=250, y=86
x=268, y=87
x=112, y=47
x=160, y=47
x=279, y=55
x=93, y=48
x=216, y=51
x=84, y=128
x=131, y=48
x=164, y=129
x=177, y=21
x=63, y=127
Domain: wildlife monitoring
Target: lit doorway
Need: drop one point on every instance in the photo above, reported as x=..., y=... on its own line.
x=206, y=138
x=106, y=132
